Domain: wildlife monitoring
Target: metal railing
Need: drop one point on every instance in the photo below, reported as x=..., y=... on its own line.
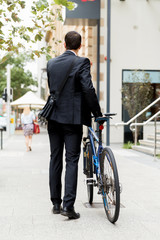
x=154, y=117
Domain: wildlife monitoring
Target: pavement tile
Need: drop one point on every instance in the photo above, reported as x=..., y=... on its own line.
x=25, y=208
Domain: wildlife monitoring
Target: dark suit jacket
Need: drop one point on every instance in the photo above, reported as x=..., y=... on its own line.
x=78, y=98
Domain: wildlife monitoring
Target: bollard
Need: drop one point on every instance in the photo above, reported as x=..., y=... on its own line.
x=1, y=129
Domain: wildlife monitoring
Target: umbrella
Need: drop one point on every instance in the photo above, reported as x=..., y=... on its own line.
x=29, y=99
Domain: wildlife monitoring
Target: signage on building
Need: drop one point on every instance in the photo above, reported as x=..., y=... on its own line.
x=88, y=9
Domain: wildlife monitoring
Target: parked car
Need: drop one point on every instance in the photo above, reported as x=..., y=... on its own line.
x=3, y=122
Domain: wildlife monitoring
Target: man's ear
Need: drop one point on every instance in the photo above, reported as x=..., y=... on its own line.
x=64, y=44
x=80, y=46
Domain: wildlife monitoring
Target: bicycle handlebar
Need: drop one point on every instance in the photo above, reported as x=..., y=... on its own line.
x=106, y=114
x=110, y=114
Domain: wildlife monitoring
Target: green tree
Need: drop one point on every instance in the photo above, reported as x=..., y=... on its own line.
x=21, y=79
x=137, y=93
x=14, y=32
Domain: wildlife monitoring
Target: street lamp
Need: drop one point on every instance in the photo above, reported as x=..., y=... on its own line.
x=44, y=70
x=8, y=98
x=108, y=67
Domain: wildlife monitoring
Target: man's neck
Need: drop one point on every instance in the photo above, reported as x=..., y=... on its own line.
x=75, y=51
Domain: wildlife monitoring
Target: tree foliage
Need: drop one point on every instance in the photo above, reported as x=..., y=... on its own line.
x=137, y=94
x=15, y=32
x=21, y=79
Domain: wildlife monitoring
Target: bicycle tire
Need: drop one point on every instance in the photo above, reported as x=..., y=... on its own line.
x=111, y=188
x=89, y=173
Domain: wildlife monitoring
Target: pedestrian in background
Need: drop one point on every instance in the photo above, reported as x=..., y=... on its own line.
x=73, y=108
x=27, y=120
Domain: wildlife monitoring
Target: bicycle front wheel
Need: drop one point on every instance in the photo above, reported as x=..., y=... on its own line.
x=110, y=183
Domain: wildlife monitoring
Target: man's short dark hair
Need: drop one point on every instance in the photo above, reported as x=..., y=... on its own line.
x=72, y=40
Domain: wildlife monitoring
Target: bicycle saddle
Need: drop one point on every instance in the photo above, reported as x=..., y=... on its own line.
x=101, y=120
x=104, y=118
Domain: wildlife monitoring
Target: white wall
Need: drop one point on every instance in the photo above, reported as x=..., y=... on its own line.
x=135, y=44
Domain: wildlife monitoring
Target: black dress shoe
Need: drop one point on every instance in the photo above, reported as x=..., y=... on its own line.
x=56, y=208
x=70, y=213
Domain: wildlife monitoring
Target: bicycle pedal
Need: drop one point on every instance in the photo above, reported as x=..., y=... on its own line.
x=99, y=191
x=84, y=138
x=90, y=181
x=85, y=171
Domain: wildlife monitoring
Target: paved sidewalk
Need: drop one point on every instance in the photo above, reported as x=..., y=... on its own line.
x=25, y=208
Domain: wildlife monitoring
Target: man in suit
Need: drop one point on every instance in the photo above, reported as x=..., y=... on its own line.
x=73, y=109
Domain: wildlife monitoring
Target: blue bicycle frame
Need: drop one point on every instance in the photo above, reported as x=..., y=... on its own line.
x=95, y=162
x=96, y=158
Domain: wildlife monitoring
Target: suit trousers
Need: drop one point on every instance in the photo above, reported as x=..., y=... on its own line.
x=70, y=136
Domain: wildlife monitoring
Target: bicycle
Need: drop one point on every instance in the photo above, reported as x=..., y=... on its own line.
x=100, y=161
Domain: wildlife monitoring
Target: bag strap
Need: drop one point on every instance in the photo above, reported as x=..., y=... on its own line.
x=67, y=75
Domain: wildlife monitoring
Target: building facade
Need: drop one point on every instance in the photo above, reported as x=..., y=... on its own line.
x=135, y=38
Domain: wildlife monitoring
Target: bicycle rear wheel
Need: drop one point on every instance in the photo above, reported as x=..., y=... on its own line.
x=89, y=173
x=110, y=189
